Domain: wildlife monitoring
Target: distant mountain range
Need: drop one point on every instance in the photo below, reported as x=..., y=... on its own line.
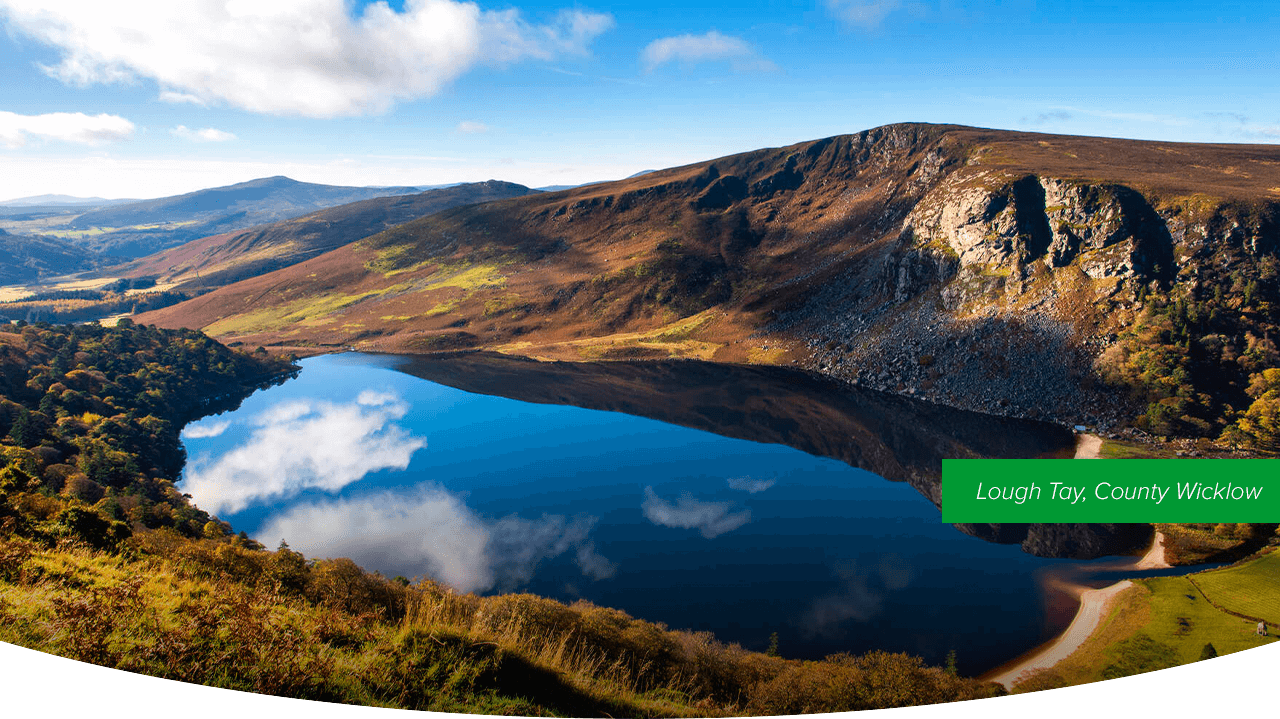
x=61, y=201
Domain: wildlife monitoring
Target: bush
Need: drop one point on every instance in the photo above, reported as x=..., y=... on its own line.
x=343, y=584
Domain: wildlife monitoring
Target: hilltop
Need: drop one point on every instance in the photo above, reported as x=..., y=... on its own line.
x=1072, y=279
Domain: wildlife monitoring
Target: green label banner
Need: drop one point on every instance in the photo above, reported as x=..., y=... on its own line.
x=1110, y=490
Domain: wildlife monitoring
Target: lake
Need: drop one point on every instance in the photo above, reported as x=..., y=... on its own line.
x=706, y=499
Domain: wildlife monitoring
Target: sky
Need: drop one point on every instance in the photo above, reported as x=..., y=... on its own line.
x=150, y=99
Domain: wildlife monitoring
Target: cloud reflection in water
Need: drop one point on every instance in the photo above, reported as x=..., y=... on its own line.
x=710, y=518
x=430, y=531
x=304, y=444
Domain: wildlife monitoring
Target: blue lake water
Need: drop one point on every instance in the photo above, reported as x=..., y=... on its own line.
x=671, y=524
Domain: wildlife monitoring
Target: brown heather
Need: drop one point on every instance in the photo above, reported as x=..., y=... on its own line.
x=212, y=612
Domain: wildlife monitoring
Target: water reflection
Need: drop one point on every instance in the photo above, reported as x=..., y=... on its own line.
x=429, y=531
x=299, y=445
x=711, y=519
x=698, y=530
x=897, y=438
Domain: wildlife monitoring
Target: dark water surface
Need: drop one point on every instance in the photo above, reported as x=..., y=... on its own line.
x=721, y=524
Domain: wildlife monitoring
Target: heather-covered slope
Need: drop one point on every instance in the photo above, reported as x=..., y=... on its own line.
x=1064, y=278
x=225, y=258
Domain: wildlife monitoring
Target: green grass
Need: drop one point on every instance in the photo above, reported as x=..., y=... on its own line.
x=306, y=311
x=1184, y=621
x=1164, y=622
x=1115, y=449
x=469, y=278
x=443, y=308
x=1252, y=589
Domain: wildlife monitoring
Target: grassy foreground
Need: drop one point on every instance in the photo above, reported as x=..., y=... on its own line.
x=217, y=612
x=1168, y=621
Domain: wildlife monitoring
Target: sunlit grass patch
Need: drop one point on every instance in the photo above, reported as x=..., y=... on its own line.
x=1252, y=589
x=310, y=311
x=1119, y=449
x=468, y=278
x=773, y=355
x=443, y=308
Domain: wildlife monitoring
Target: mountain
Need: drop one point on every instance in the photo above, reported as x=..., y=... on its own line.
x=252, y=202
x=1073, y=279
x=140, y=228
x=61, y=201
x=232, y=256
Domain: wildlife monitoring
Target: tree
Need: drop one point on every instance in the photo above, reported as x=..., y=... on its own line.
x=23, y=432
x=1208, y=652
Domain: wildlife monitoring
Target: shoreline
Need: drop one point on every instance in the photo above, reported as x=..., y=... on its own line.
x=1094, y=604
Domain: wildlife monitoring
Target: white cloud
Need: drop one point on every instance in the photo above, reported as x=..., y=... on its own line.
x=508, y=38
x=304, y=444
x=865, y=14
x=180, y=97
x=307, y=57
x=702, y=48
x=749, y=485
x=471, y=128
x=208, y=134
x=710, y=518
x=202, y=430
x=76, y=127
x=431, y=532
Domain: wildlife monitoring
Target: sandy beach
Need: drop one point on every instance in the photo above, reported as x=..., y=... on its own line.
x=1093, y=607
x=1094, y=603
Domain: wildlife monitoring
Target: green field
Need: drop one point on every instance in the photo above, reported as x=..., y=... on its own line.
x=1164, y=622
x=1251, y=589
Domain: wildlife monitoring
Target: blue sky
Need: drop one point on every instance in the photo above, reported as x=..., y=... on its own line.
x=130, y=100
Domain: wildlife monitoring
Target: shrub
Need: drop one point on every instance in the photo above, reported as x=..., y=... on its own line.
x=343, y=584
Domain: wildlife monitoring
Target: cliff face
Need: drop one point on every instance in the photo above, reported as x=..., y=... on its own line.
x=1003, y=291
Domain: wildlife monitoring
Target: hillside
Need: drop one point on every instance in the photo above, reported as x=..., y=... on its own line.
x=29, y=258
x=232, y=256
x=1071, y=279
x=61, y=201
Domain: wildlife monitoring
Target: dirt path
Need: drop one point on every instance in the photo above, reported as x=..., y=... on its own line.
x=1154, y=558
x=1088, y=446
